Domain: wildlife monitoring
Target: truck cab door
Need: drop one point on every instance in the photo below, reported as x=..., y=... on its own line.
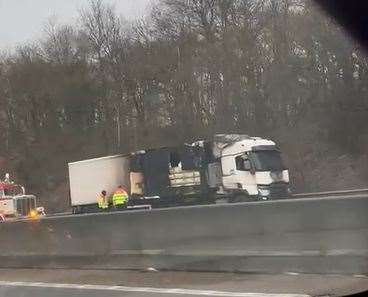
x=238, y=175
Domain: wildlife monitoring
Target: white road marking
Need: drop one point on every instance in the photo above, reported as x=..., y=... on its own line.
x=291, y=273
x=360, y=275
x=145, y=290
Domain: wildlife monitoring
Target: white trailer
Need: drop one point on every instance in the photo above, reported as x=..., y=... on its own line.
x=89, y=177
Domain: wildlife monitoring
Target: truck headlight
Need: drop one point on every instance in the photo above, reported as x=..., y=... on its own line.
x=264, y=192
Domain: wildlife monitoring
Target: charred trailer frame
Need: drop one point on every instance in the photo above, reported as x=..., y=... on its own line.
x=173, y=175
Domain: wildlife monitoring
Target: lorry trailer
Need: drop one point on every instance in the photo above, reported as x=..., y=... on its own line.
x=228, y=168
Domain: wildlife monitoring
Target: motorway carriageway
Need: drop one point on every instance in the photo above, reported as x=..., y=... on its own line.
x=150, y=283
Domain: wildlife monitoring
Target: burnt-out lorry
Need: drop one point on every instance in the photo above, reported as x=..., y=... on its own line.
x=228, y=168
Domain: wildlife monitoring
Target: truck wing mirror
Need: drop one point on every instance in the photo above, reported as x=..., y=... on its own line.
x=247, y=165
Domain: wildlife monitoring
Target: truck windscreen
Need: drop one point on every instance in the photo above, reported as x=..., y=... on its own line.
x=13, y=190
x=267, y=160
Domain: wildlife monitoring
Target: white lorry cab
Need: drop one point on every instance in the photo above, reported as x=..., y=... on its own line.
x=251, y=168
x=14, y=203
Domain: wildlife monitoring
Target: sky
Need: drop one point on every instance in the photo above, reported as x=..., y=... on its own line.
x=23, y=20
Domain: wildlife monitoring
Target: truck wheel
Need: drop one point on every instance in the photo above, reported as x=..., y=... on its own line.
x=240, y=198
x=76, y=210
x=211, y=198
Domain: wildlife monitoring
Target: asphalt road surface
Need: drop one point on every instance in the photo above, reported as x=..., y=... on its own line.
x=93, y=283
x=62, y=290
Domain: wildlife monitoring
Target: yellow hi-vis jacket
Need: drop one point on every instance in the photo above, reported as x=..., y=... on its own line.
x=101, y=201
x=120, y=197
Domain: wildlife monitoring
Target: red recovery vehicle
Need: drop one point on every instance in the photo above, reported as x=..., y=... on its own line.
x=14, y=203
